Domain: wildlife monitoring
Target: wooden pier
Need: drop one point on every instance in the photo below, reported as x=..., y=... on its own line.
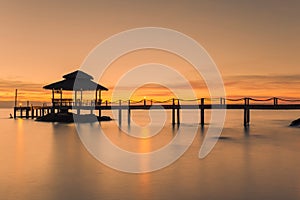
x=175, y=105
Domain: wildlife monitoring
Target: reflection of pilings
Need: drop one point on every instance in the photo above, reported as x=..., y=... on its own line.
x=202, y=111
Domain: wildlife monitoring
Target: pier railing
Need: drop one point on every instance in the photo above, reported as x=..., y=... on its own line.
x=245, y=103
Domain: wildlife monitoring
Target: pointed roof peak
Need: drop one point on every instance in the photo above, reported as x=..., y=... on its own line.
x=78, y=74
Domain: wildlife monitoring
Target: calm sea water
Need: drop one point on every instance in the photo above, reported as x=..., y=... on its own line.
x=48, y=161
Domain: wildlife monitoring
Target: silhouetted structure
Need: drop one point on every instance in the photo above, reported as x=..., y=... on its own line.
x=80, y=81
x=76, y=81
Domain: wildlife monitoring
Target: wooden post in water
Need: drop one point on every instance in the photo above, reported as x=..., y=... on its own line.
x=16, y=98
x=27, y=112
x=16, y=103
x=246, y=112
x=120, y=113
x=129, y=113
x=100, y=104
x=75, y=96
x=61, y=98
x=173, y=112
x=178, y=112
x=32, y=112
x=80, y=97
x=96, y=98
x=202, y=112
x=15, y=112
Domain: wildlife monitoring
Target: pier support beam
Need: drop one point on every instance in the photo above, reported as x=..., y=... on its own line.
x=15, y=112
x=202, y=112
x=173, y=112
x=32, y=112
x=129, y=113
x=99, y=112
x=100, y=104
x=246, y=112
x=178, y=112
x=120, y=113
x=27, y=112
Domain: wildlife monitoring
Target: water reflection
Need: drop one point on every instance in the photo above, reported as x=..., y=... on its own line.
x=48, y=161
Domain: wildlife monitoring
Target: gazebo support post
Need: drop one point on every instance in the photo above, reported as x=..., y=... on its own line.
x=52, y=109
x=75, y=100
x=61, y=98
x=81, y=97
x=96, y=96
x=100, y=102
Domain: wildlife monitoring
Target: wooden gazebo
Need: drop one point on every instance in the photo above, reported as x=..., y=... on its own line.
x=75, y=81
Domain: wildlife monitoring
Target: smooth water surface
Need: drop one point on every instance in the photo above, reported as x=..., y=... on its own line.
x=48, y=161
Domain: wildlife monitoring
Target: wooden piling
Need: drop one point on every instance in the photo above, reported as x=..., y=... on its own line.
x=173, y=112
x=100, y=111
x=32, y=112
x=120, y=113
x=202, y=112
x=15, y=112
x=246, y=112
x=27, y=112
x=178, y=112
x=129, y=113
x=16, y=98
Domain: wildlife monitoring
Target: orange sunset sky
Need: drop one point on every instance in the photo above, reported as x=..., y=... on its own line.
x=255, y=44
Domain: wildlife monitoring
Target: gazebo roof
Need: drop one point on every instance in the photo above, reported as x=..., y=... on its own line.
x=83, y=82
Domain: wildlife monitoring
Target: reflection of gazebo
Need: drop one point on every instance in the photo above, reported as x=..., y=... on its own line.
x=75, y=81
